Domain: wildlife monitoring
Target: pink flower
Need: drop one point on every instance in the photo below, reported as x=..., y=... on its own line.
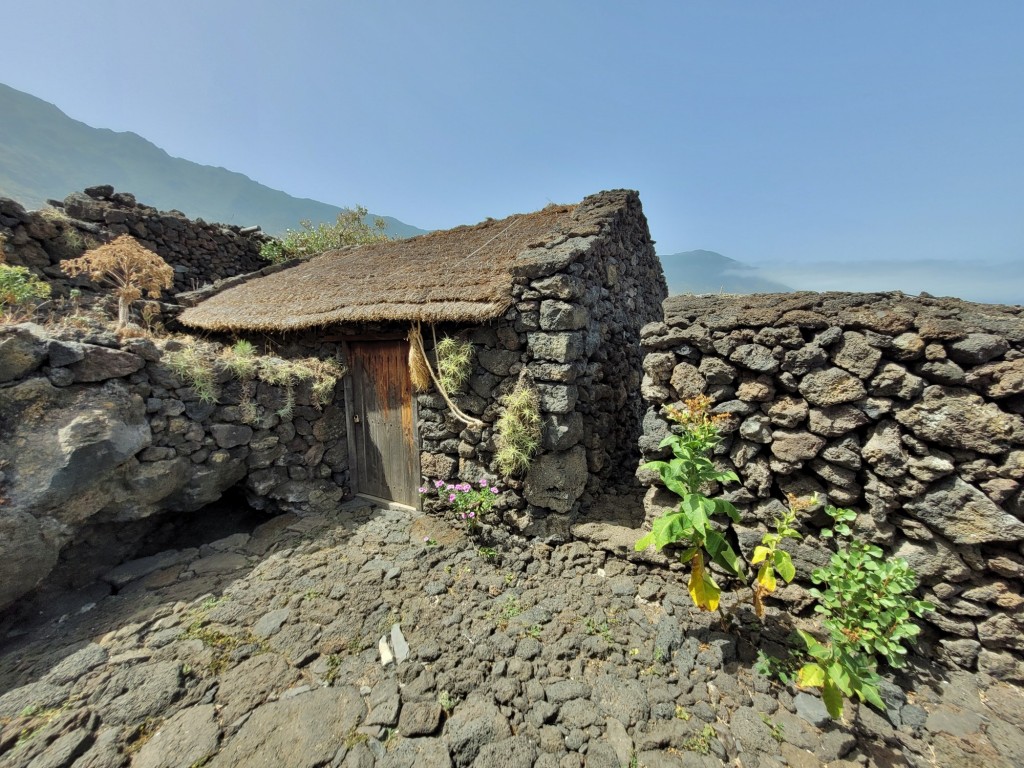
x=422, y=489
x=483, y=482
x=472, y=515
x=451, y=497
x=495, y=490
x=438, y=483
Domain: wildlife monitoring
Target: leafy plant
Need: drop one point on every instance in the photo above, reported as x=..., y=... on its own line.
x=19, y=290
x=772, y=559
x=517, y=431
x=469, y=504
x=687, y=474
x=454, y=363
x=866, y=605
x=350, y=228
x=132, y=269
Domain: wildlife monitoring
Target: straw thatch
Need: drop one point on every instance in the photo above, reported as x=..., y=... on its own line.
x=461, y=274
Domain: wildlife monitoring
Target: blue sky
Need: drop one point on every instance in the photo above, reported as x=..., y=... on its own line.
x=823, y=142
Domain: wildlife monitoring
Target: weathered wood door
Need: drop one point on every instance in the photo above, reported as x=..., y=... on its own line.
x=381, y=421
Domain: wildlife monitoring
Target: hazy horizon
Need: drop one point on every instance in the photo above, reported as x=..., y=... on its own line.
x=780, y=136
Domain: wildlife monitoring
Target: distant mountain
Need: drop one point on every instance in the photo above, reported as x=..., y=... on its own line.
x=46, y=154
x=710, y=272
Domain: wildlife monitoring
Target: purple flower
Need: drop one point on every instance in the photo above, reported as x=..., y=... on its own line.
x=472, y=515
x=483, y=482
x=438, y=483
x=451, y=497
x=495, y=490
x=422, y=489
x=450, y=487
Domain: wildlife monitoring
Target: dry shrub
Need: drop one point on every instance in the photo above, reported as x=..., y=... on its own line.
x=127, y=265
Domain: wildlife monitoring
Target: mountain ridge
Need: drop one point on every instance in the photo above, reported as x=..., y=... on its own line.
x=46, y=154
x=702, y=271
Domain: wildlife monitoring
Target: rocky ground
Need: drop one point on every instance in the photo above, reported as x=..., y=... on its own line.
x=382, y=638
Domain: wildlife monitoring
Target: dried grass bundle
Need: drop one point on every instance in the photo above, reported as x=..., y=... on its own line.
x=419, y=368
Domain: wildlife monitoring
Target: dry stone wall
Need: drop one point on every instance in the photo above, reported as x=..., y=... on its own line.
x=573, y=332
x=199, y=252
x=908, y=410
x=96, y=434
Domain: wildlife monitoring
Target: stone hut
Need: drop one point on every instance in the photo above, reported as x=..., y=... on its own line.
x=554, y=298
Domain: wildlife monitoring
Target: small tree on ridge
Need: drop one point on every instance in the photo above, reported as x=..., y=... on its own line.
x=127, y=265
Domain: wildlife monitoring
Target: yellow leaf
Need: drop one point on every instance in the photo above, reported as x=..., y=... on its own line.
x=703, y=590
x=760, y=553
x=810, y=676
x=766, y=577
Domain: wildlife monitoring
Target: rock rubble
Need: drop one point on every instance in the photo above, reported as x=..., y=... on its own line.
x=540, y=655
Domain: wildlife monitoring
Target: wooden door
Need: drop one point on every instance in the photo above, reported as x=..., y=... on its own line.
x=381, y=421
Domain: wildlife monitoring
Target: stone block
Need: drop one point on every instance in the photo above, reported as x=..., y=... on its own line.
x=564, y=347
x=562, y=316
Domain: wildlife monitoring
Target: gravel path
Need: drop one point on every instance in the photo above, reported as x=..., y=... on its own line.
x=265, y=649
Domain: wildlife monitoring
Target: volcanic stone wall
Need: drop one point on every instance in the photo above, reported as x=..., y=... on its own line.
x=907, y=410
x=574, y=333
x=199, y=252
x=97, y=435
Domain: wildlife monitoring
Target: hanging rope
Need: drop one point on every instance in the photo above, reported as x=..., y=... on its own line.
x=416, y=339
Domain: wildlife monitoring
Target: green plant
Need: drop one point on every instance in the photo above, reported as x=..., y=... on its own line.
x=323, y=374
x=131, y=268
x=469, y=504
x=19, y=290
x=333, y=668
x=354, y=738
x=454, y=363
x=534, y=631
x=241, y=360
x=778, y=731
x=447, y=701
x=511, y=608
x=350, y=228
x=197, y=364
x=771, y=666
x=687, y=474
x=194, y=365
x=487, y=553
x=517, y=431
x=601, y=626
x=772, y=559
x=866, y=607
x=701, y=742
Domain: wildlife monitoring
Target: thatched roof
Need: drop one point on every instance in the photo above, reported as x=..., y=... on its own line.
x=463, y=274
